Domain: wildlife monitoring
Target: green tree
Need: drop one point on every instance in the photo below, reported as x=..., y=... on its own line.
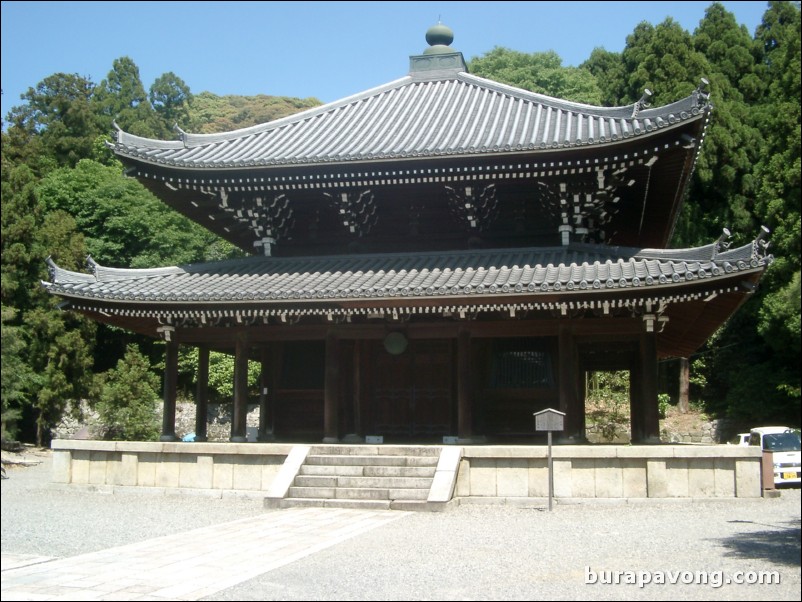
x=662, y=59
x=540, y=72
x=723, y=191
x=21, y=260
x=16, y=375
x=56, y=126
x=608, y=69
x=753, y=372
x=124, y=224
x=221, y=372
x=210, y=113
x=121, y=98
x=171, y=98
x=60, y=355
x=127, y=399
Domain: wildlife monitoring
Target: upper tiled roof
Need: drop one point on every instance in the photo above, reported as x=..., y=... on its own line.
x=436, y=113
x=495, y=274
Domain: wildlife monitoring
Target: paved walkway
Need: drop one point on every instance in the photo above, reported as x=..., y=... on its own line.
x=190, y=565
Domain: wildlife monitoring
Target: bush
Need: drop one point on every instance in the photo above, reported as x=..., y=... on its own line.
x=126, y=398
x=663, y=400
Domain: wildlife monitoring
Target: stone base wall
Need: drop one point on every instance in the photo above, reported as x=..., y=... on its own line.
x=659, y=471
x=172, y=466
x=486, y=473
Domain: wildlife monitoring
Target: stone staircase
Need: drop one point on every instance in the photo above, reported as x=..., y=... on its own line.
x=360, y=476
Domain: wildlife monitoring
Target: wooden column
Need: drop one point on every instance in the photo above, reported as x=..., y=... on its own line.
x=239, y=429
x=170, y=391
x=650, y=411
x=331, y=393
x=683, y=402
x=266, y=395
x=635, y=403
x=464, y=389
x=202, y=395
x=358, y=354
x=570, y=402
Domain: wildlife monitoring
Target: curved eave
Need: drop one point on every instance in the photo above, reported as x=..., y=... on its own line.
x=395, y=279
x=413, y=118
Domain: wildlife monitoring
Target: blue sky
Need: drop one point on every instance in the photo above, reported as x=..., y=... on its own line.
x=327, y=50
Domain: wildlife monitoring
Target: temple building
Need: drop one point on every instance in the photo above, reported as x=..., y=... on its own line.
x=434, y=259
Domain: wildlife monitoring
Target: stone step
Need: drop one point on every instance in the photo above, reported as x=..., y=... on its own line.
x=376, y=450
x=339, y=470
x=357, y=493
x=366, y=471
x=380, y=482
x=347, y=460
x=385, y=482
x=399, y=471
x=335, y=503
x=315, y=481
x=312, y=492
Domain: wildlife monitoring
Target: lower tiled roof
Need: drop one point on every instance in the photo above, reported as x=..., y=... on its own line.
x=491, y=273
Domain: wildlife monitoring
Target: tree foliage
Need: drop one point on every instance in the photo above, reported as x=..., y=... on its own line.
x=540, y=72
x=127, y=399
x=221, y=373
x=210, y=114
x=124, y=224
x=171, y=98
x=57, y=124
x=16, y=375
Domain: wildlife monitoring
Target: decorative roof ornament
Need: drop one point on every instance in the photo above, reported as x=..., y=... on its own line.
x=439, y=55
x=439, y=38
x=182, y=135
x=721, y=244
x=761, y=244
x=701, y=93
x=643, y=103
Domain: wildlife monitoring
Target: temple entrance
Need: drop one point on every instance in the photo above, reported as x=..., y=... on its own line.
x=412, y=393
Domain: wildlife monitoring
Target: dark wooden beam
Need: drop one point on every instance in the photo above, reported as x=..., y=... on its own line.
x=202, y=395
x=267, y=394
x=331, y=397
x=570, y=401
x=239, y=427
x=464, y=388
x=650, y=414
x=170, y=391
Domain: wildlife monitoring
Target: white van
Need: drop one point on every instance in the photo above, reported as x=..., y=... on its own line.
x=784, y=444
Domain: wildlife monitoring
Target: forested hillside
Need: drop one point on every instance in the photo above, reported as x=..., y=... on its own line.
x=64, y=196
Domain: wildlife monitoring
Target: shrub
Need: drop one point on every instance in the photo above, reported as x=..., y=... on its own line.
x=127, y=399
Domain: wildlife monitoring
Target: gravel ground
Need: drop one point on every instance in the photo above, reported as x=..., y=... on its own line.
x=471, y=552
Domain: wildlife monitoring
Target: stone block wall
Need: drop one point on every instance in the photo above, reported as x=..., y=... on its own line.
x=660, y=471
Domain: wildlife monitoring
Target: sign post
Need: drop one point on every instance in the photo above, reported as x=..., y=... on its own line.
x=549, y=420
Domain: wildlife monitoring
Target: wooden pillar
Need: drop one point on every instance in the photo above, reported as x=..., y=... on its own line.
x=239, y=428
x=202, y=395
x=650, y=411
x=170, y=391
x=635, y=404
x=266, y=396
x=358, y=355
x=683, y=401
x=331, y=393
x=464, y=389
x=570, y=402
